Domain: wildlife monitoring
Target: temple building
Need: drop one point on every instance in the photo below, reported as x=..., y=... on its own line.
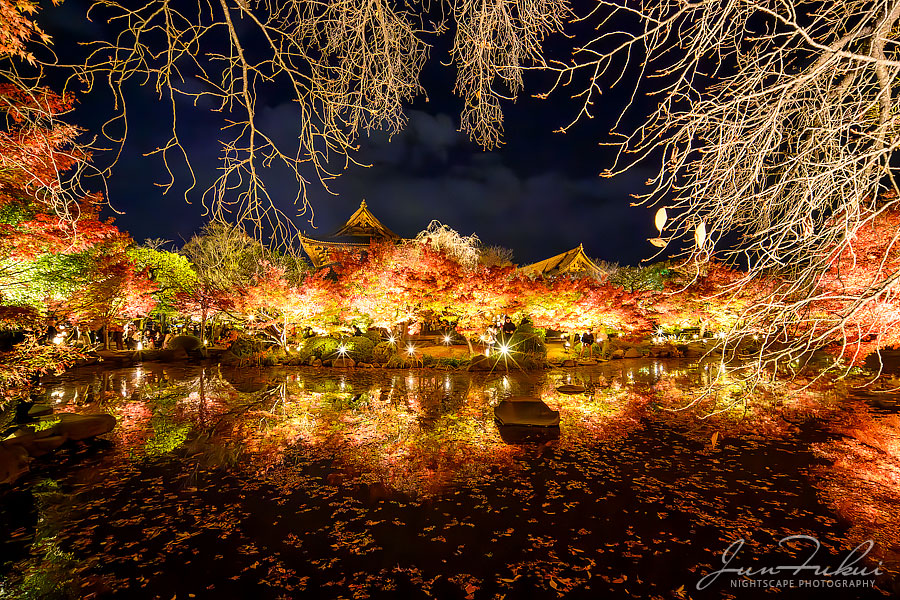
x=363, y=227
x=574, y=262
x=358, y=232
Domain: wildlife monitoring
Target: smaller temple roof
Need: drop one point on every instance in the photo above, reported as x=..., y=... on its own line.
x=363, y=223
x=573, y=261
x=319, y=252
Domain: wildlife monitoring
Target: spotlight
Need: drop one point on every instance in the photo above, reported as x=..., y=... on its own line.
x=392, y=340
x=446, y=339
x=342, y=349
x=504, y=349
x=410, y=349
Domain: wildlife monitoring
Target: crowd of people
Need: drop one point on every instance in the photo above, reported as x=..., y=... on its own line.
x=130, y=336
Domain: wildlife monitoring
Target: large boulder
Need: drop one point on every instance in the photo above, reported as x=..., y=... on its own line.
x=633, y=353
x=18, y=449
x=14, y=460
x=342, y=363
x=81, y=427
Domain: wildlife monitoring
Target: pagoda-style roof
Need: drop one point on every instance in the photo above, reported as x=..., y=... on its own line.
x=363, y=223
x=573, y=261
x=319, y=252
x=358, y=232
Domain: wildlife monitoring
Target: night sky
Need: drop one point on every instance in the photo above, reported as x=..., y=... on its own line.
x=538, y=194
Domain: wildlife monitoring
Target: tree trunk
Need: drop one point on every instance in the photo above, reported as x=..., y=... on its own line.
x=203, y=325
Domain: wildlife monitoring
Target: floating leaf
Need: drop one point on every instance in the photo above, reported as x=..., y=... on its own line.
x=658, y=242
x=700, y=235
x=715, y=439
x=661, y=218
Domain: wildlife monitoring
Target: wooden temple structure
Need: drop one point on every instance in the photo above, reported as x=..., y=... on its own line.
x=574, y=261
x=358, y=232
x=363, y=227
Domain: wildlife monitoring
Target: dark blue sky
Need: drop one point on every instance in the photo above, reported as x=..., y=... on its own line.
x=538, y=194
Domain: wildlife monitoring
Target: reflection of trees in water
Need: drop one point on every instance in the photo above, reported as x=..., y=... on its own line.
x=375, y=433
x=407, y=428
x=861, y=477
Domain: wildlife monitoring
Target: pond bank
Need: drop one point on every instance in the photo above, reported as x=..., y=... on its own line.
x=438, y=356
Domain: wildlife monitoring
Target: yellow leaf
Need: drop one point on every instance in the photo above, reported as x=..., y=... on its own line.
x=658, y=242
x=715, y=439
x=700, y=235
x=661, y=218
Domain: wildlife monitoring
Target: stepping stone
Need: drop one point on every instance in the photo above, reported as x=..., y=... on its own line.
x=571, y=389
x=39, y=410
x=524, y=410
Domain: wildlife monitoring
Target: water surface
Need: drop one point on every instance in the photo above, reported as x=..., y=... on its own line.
x=293, y=483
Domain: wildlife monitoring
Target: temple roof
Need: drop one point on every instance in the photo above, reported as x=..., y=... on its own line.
x=573, y=261
x=319, y=252
x=363, y=223
x=358, y=232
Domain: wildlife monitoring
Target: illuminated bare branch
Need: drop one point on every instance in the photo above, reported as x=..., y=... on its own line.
x=776, y=123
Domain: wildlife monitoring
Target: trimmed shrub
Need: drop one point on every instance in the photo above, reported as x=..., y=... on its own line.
x=383, y=352
x=321, y=347
x=359, y=348
x=189, y=343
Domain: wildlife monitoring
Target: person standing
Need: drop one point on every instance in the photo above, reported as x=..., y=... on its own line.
x=509, y=328
x=587, y=341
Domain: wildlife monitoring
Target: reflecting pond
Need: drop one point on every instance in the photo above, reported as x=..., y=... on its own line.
x=282, y=483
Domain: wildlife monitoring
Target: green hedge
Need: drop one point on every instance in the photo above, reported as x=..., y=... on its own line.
x=320, y=347
x=360, y=348
x=245, y=347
